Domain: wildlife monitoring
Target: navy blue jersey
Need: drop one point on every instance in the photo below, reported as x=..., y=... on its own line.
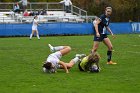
x=104, y=23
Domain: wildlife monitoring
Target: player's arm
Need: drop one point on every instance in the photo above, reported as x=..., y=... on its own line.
x=64, y=66
x=37, y=23
x=62, y=1
x=96, y=27
x=20, y=1
x=109, y=30
x=70, y=3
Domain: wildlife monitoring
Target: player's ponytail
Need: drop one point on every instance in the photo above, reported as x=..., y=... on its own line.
x=35, y=16
x=47, y=65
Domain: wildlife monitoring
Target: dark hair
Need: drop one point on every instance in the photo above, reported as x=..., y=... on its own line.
x=108, y=7
x=35, y=16
x=47, y=65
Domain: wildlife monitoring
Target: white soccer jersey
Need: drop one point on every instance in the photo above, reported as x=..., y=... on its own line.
x=54, y=58
x=24, y=2
x=34, y=26
x=66, y=2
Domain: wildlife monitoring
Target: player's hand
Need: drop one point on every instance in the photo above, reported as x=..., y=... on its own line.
x=113, y=36
x=97, y=35
x=39, y=25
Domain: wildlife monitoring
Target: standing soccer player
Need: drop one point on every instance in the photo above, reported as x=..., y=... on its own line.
x=101, y=25
x=34, y=28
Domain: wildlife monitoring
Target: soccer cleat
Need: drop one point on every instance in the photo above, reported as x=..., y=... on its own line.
x=51, y=48
x=80, y=55
x=111, y=63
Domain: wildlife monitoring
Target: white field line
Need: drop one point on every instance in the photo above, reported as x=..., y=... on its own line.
x=133, y=52
x=135, y=45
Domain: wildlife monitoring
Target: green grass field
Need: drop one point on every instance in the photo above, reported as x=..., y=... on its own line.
x=21, y=60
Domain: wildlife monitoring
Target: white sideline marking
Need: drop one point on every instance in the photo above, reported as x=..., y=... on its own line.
x=131, y=45
x=133, y=52
x=135, y=45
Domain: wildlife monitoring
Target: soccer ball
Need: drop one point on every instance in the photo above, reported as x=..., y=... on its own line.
x=49, y=71
x=44, y=69
x=94, y=68
x=52, y=71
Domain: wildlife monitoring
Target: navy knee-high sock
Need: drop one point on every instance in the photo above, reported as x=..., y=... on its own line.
x=109, y=55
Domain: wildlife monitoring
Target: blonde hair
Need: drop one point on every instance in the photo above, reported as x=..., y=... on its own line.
x=93, y=57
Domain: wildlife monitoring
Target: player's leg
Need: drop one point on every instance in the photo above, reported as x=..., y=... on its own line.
x=96, y=43
x=74, y=60
x=71, y=63
x=31, y=35
x=58, y=48
x=108, y=43
x=65, y=50
x=95, y=46
x=37, y=34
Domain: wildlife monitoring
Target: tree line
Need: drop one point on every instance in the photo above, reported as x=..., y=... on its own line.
x=123, y=10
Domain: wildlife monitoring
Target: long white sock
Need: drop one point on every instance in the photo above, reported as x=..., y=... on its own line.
x=76, y=59
x=31, y=36
x=38, y=36
x=57, y=48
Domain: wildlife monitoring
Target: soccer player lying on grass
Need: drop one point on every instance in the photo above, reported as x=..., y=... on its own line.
x=53, y=61
x=89, y=63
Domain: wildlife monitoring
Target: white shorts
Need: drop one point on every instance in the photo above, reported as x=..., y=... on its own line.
x=34, y=28
x=54, y=58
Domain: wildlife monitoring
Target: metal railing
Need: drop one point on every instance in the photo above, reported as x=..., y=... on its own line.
x=32, y=5
x=48, y=6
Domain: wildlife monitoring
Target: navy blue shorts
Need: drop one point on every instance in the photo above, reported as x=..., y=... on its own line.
x=101, y=38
